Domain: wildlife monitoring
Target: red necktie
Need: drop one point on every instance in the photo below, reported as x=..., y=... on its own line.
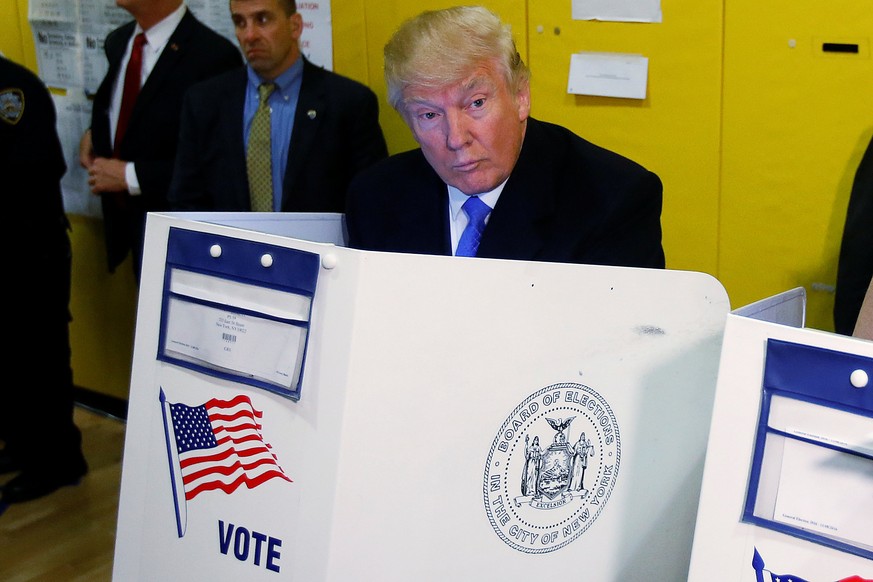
x=132, y=77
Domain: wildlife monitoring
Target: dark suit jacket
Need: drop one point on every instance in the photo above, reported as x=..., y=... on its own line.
x=336, y=134
x=193, y=53
x=567, y=200
x=855, y=266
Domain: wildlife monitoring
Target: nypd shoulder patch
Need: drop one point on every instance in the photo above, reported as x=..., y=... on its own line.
x=11, y=105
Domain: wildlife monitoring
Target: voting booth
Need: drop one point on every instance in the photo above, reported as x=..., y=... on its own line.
x=304, y=411
x=787, y=492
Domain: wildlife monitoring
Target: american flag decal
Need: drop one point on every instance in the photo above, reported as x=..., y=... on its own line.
x=762, y=574
x=216, y=446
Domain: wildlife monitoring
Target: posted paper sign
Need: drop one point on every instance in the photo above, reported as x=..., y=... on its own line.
x=608, y=75
x=799, y=501
x=618, y=10
x=251, y=346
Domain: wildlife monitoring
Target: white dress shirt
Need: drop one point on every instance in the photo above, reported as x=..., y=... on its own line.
x=458, y=218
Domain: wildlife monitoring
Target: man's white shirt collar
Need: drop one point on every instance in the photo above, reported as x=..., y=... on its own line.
x=159, y=34
x=457, y=198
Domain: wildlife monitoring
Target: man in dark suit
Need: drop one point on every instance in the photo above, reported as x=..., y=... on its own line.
x=42, y=442
x=323, y=127
x=855, y=266
x=130, y=163
x=488, y=180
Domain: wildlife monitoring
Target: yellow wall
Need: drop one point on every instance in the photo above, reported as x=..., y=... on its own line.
x=756, y=142
x=10, y=32
x=796, y=122
x=674, y=132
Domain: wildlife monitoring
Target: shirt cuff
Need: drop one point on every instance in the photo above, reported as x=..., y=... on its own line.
x=131, y=179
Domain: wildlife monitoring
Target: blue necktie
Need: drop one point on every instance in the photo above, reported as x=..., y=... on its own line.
x=476, y=211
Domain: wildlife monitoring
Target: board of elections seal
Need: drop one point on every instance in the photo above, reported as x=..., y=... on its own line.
x=551, y=468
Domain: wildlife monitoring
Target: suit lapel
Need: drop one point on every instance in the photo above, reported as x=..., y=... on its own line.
x=519, y=223
x=116, y=45
x=433, y=227
x=115, y=51
x=233, y=105
x=426, y=216
x=307, y=119
x=176, y=47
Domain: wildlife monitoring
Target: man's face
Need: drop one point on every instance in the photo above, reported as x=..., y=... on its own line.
x=267, y=35
x=470, y=132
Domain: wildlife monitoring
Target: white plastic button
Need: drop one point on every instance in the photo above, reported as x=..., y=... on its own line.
x=328, y=261
x=215, y=251
x=859, y=379
x=267, y=260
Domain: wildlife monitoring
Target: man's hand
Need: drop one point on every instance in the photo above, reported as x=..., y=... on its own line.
x=107, y=175
x=86, y=150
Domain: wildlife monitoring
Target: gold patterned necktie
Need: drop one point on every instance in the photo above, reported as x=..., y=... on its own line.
x=259, y=160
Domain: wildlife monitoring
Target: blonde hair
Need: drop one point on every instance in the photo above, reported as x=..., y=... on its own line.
x=440, y=47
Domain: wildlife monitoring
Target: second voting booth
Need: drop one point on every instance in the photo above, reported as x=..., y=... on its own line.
x=787, y=492
x=304, y=411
